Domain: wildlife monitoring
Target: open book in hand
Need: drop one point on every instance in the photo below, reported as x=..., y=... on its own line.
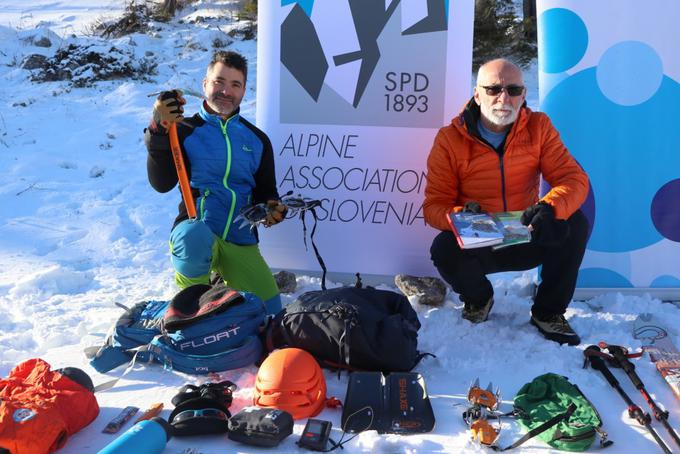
x=473, y=230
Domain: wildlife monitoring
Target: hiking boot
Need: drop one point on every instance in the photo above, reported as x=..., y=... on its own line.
x=477, y=313
x=556, y=328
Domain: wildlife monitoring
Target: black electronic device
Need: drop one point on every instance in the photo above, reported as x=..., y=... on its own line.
x=260, y=426
x=315, y=435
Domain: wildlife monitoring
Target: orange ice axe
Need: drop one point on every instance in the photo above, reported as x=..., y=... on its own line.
x=184, y=186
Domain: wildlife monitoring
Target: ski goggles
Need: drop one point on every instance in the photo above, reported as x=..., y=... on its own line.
x=209, y=413
x=204, y=420
x=511, y=90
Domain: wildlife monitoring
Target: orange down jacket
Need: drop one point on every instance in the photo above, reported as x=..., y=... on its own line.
x=41, y=408
x=462, y=168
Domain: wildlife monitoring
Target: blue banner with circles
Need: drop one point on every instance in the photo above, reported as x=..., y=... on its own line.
x=609, y=78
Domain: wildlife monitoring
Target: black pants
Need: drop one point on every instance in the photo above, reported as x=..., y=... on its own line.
x=466, y=269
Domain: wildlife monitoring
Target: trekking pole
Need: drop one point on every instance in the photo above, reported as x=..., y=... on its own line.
x=621, y=358
x=184, y=186
x=594, y=355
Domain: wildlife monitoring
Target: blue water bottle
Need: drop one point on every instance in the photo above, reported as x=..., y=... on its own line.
x=145, y=437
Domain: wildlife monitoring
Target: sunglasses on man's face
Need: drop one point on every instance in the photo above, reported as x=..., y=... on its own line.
x=495, y=90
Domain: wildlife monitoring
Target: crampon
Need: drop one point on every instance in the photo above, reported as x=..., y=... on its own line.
x=257, y=214
x=295, y=206
x=483, y=407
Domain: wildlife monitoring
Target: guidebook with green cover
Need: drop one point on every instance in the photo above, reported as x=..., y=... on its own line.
x=473, y=230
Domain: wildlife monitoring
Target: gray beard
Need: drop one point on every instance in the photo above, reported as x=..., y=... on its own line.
x=498, y=121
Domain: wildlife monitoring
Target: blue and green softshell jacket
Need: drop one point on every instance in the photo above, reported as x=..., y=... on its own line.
x=230, y=164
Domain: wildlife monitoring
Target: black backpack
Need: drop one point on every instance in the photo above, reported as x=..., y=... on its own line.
x=350, y=328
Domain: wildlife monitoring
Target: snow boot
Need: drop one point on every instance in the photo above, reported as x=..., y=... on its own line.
x=477, y=313
x=556, y=328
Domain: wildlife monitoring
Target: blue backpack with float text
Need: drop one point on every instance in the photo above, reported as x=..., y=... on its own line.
x=203, y=329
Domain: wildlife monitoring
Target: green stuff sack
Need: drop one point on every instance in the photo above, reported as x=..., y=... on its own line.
x=551, y=397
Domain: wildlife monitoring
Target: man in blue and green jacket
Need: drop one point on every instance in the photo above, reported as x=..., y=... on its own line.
x=230, y=164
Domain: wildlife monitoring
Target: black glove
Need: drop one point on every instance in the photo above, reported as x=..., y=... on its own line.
x=472, y=207
x=167, y=109
x=545, y=229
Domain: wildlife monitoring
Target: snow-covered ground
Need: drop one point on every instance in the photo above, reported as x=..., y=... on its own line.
x=80, y=229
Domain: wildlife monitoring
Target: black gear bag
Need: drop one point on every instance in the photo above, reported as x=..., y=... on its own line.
x=350, y=328
x=260, y=426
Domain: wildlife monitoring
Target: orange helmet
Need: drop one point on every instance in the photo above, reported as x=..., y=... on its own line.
x=291, y=380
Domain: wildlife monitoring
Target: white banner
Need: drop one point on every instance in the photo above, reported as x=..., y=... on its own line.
x=609, y=79
x=352, y=93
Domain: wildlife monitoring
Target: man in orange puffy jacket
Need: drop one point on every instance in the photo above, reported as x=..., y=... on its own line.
x=490, y=158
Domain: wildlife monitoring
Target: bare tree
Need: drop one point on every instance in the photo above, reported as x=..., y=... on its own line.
x=169, y=7
x=499, y=32
x=529, y=13
x=529, y=9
